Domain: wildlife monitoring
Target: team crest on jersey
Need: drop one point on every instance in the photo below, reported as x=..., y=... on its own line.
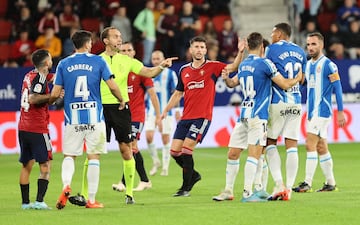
x=133, y=77
x=37, y=88
x=202, y=72
x=318, y=69
x=187, y=75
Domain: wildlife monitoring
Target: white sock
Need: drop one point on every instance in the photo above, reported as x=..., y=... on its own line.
x=274, y=163
x=292, y=165
x=67, y=171
x=166, y=157
x=153, y=153
x=93, y=175
x=249, y=175
x=265, y=174
x=326, y=164
x=310, y=167
x=258, y=175
x=232, y=169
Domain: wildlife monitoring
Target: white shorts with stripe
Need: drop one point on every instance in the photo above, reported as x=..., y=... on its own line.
x=284, y=120
x=93, y=135
x=248, y=131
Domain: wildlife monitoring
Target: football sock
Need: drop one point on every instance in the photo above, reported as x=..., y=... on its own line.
x=310, y=166
x=232, y=169
x=166, y=156
x=177, y=157
x=188, y=167
x=265, y=174
x=153, y=153
x=326, y=164
x=42, y=188
x=292, y=165
x=67, y=170
x=129, y=173
x=93, y=175
x=139, y=162
x=249, y=175
x=84, y=185
x=274, y=163
x=25, y=193
x=258, y=175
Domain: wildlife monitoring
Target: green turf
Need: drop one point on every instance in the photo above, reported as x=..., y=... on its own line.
x=157, y=206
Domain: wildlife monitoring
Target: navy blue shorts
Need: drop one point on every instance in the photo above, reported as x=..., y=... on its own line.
x=194, y=129
x=136, y=129
x=34, y=146
x=119, y=120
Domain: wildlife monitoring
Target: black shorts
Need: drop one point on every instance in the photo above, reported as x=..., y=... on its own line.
x=119, y=121
x=34, y=146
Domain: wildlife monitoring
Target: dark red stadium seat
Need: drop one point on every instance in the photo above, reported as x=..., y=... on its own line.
x=5, y=26
x=3, y=8
x=5, y=51
x=324, y=20
x=203, y=19
x=91, y=24
x=218, y=21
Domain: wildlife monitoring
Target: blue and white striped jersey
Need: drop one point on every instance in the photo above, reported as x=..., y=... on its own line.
x=321, y=77
x=255, y=74
x=80, y=75
x=288, y=59
x=164, y=84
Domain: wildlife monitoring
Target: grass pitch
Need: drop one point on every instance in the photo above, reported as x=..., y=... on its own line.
x=157, y=206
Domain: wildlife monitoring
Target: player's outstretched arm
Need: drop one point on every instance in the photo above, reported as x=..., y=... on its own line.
x=286, y=83
x=230, y=82
x=232, y=67
x=154, y=71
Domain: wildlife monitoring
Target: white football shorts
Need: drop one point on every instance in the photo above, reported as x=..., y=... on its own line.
x=167, y=124
x=249, y=131
x=318, y=126
x=284, y=120
x=93, y=135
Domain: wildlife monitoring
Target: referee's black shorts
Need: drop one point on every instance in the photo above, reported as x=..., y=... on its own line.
x=119, y=121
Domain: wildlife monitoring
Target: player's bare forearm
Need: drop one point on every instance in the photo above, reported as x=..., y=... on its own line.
x=38, y=98
x=173, y=101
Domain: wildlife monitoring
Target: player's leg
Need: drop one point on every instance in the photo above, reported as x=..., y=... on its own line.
x=149, y=133
x=129, y=167
x=84, y=184
x=165, y=136
x=256, y=140
x=232, y=169
x=311, y=163
x=326, y=164
x=27, y=161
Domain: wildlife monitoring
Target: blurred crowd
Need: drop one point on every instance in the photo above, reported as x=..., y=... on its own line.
x=164, y=24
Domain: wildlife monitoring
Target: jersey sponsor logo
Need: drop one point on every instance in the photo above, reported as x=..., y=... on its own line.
x=196, y=85
x=83, y=105
x=84, y=127
x=291, y=111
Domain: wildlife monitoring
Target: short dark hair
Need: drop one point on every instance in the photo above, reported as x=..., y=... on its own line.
x=80, y=37
x=316, y=34
x=105, y=33
x=197, y=39
x=265, y=43
x=285, y=28
x=255, y=40
x=38, y=57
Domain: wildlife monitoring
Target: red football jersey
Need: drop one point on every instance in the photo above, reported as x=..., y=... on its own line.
x=198, y=85
x=34, y=117
x=137, y=85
